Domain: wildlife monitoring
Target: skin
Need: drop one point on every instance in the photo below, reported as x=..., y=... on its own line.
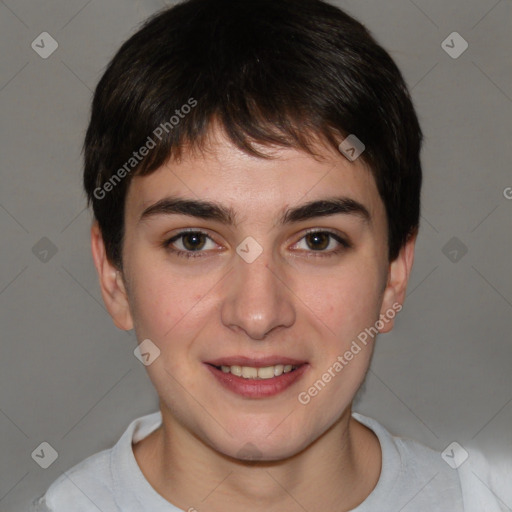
x=291, y=301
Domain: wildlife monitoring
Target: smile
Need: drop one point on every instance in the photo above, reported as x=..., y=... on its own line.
x=257, y=382
x=250, y=372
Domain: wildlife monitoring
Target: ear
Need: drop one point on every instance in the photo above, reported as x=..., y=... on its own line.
x=398, y=277
x=112, y=285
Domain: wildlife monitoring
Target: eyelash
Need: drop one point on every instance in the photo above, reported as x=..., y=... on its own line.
x=343, y=244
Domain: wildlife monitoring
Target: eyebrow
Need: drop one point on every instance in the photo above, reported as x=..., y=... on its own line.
x=210, y=210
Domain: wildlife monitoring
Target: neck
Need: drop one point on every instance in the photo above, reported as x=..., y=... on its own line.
x=337, y=471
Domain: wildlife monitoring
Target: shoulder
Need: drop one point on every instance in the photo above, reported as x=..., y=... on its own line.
x=459, y=473
x=85, y=487
x=419, y=478
x=434, y=479
x=103, y=480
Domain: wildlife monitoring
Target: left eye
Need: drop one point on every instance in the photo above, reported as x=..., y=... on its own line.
x=321, y=241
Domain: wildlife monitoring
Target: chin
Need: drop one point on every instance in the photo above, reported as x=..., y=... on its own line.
x=263, y=448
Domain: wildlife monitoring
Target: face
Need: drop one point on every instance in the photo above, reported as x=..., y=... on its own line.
x=236, y=264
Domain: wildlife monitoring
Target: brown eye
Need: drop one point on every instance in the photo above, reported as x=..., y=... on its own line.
x=322, y=243
x=318, y=241
x=190, y=244
x=193, y=241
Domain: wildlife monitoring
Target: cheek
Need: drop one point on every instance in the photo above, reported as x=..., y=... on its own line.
x=346, y=301
x=170, y=310
x=161, y=300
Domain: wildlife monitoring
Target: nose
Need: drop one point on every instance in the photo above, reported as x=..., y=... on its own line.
x=257, y=299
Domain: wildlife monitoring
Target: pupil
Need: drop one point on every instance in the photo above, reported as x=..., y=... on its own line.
x=193, y=241
x=319, y=240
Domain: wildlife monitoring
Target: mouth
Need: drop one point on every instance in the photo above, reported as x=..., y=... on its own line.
x=253, y=372
x=257, y=378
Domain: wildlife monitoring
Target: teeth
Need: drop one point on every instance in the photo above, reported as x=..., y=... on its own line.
x=236, y=370
x=248, y=372
x=265, y=373
x=278, y=369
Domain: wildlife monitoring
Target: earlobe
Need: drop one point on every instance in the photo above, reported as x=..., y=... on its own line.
x=113, y=289
x=398, y=277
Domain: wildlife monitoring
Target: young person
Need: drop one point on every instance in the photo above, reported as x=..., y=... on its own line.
x=254, y=172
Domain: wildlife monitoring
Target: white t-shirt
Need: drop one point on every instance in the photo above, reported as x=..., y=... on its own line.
x=413, y=478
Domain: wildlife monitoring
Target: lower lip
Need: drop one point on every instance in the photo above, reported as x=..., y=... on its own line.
x=258, y=388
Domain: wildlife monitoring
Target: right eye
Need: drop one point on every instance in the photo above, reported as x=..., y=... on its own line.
x=189, y=244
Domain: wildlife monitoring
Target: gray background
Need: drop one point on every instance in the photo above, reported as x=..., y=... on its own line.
x=69, y=377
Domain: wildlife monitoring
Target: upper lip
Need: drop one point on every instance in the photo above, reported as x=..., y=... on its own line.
x=259, y=362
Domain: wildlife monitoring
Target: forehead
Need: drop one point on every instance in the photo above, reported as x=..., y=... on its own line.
x=256, y=186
